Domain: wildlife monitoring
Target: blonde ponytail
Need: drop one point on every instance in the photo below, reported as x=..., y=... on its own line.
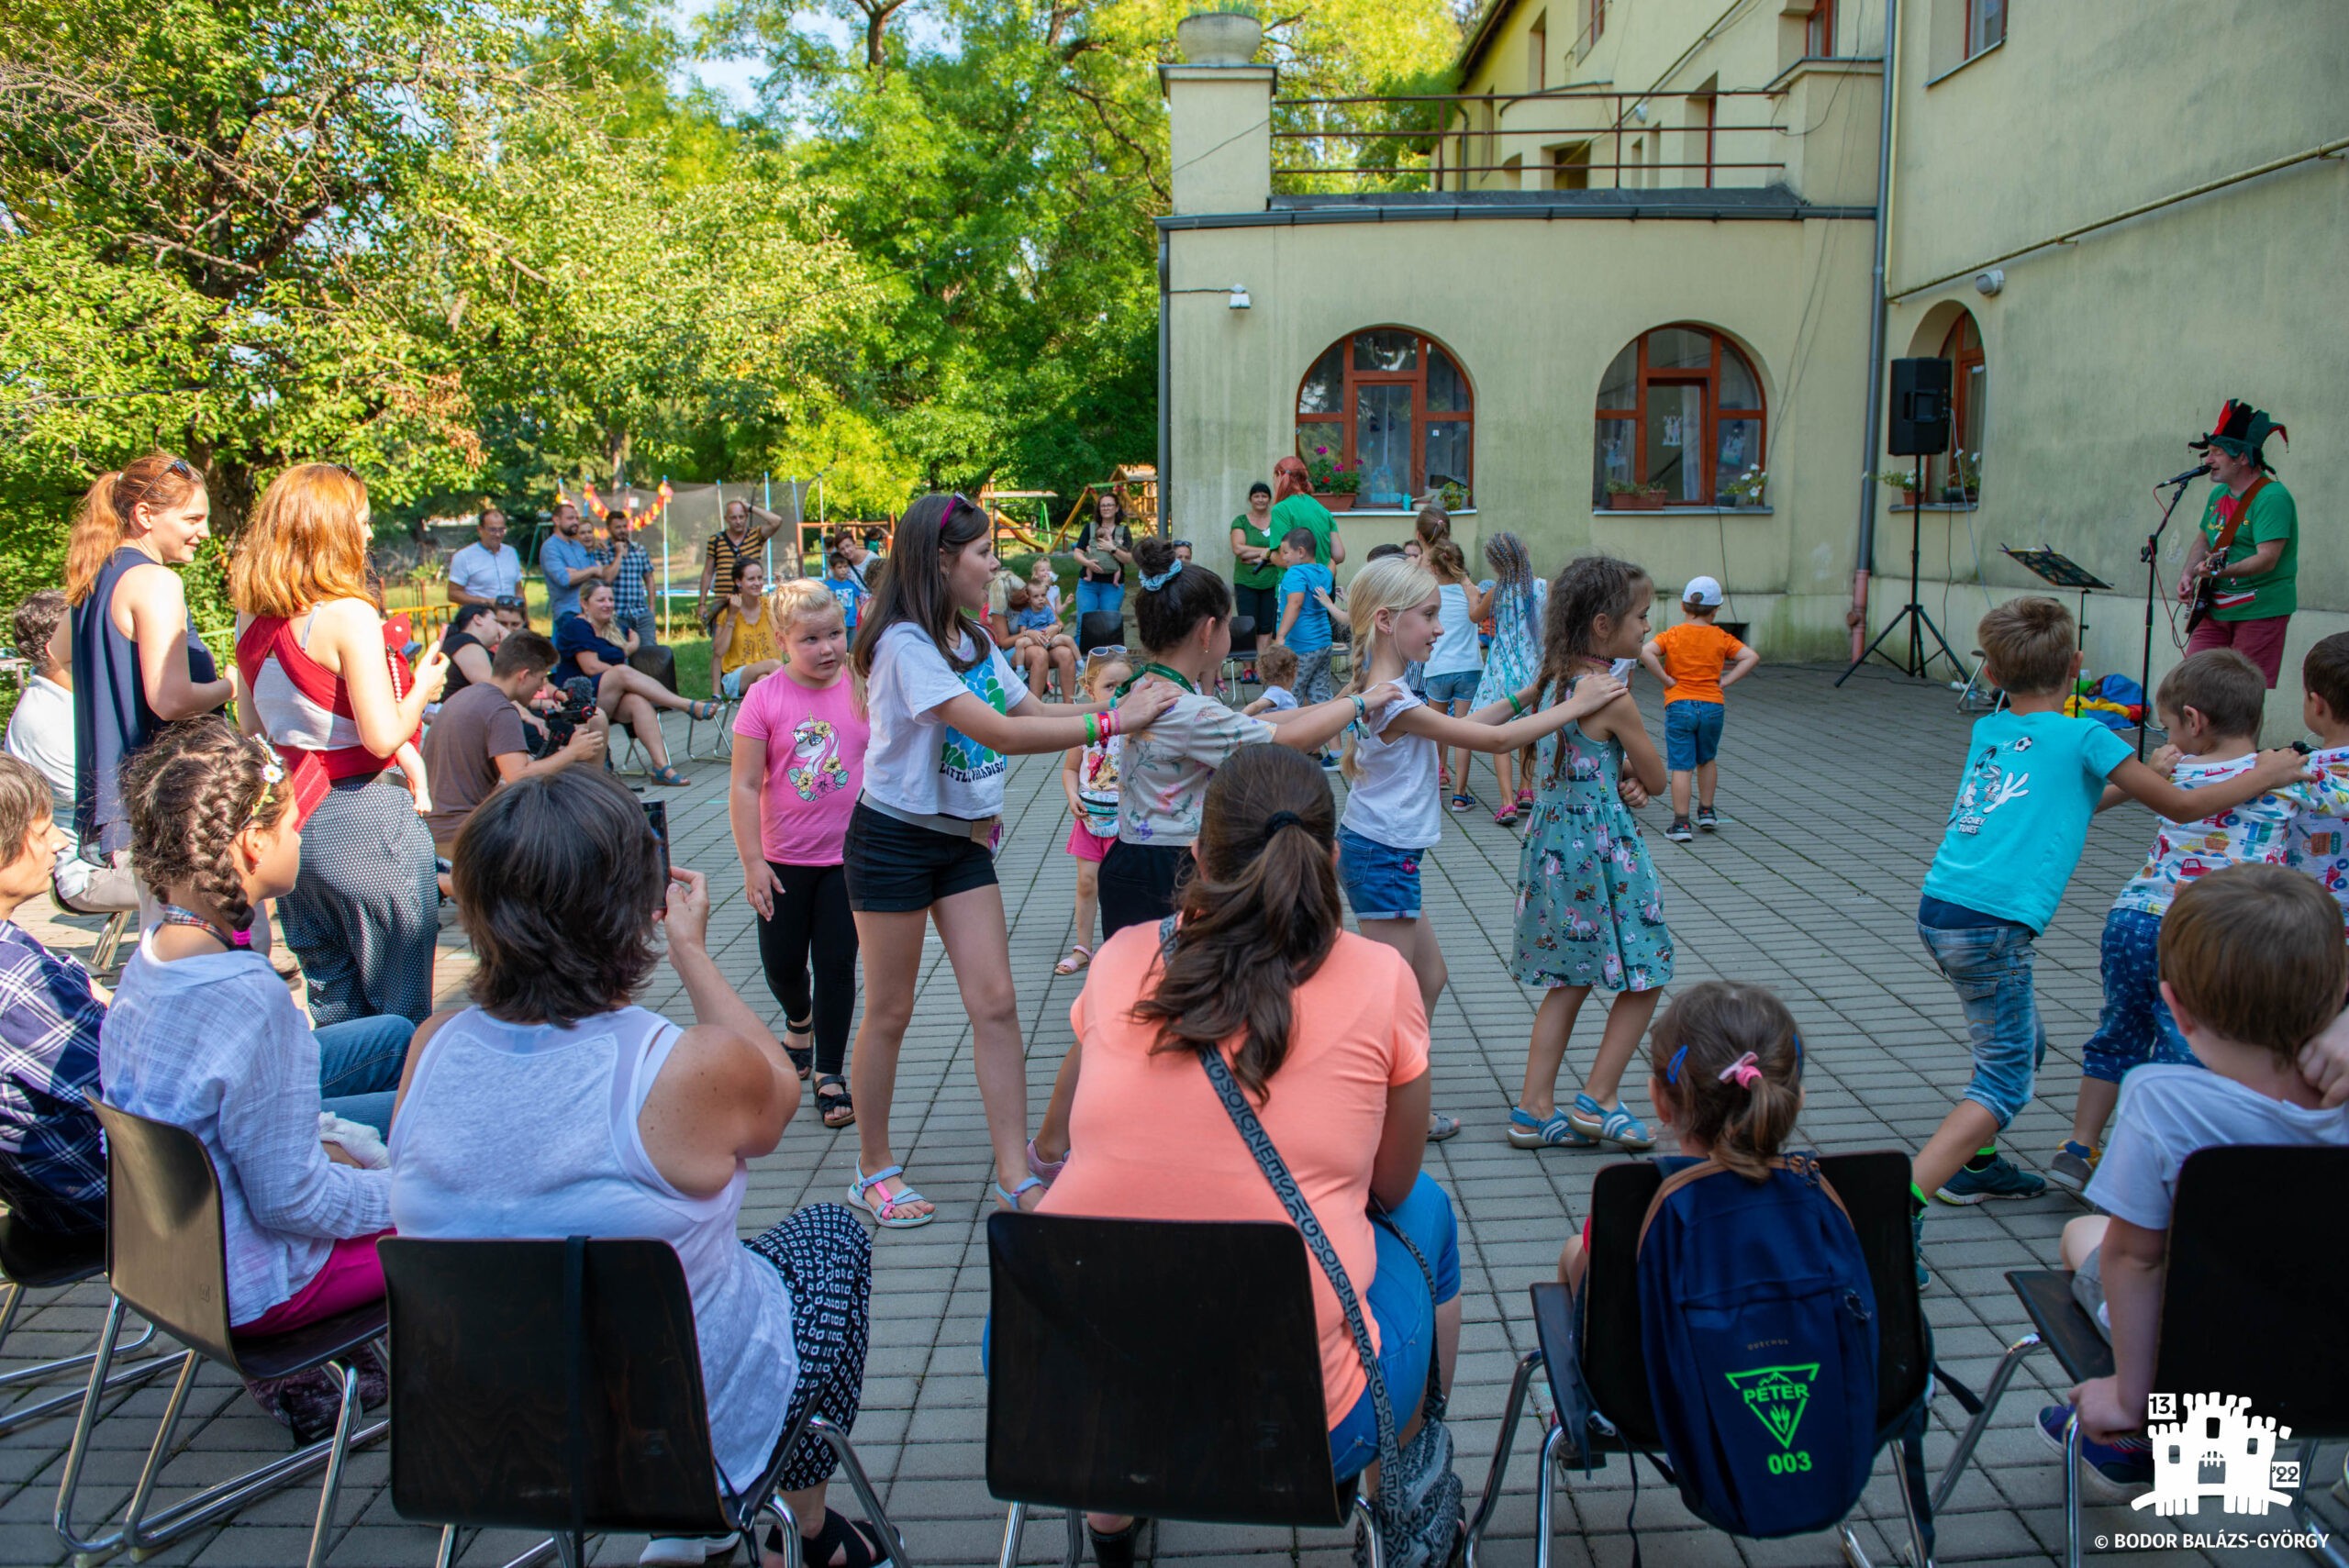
x=1391, y=584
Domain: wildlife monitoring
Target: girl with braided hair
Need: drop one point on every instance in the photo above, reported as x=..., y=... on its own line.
x=203, y=1034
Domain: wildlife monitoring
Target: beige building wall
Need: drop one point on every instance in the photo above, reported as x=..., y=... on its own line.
x=2103, y=355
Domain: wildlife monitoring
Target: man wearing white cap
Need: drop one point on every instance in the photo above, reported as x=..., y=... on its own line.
x=1697, y=660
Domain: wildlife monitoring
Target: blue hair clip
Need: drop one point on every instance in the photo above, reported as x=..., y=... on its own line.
x=1671, y=1068
x=1151, y=585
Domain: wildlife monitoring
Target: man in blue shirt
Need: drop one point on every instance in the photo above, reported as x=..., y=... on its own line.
x=631, y=596
x=571, y=563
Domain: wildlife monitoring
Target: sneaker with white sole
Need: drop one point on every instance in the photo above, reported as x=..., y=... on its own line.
x=2073, y=1165
x=2116, y=1470
x=2000, y=1178
x=1706, y=821
x=1678, y=832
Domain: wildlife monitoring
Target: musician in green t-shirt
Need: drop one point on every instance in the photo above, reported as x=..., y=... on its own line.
x=2247, y=551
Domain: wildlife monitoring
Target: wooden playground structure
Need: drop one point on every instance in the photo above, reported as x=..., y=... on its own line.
x=1135, y=485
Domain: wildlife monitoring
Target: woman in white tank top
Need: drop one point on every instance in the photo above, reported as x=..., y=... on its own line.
x=556, y=1108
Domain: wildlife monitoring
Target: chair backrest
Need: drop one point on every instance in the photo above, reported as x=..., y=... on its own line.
x=1164, y=1367
x=660, y=663
x=487, y=1377
x=1096, y=627
x=1243, y=635
x=167, y=1251
x=1875, y=1190
x=2251, y=1295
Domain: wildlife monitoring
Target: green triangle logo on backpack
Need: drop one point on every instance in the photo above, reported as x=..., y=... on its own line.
x=1777, y=1395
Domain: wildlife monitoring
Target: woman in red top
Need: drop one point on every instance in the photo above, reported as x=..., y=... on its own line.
x=312, y=678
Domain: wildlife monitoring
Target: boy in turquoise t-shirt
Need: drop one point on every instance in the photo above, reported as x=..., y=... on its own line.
x=2033, y=779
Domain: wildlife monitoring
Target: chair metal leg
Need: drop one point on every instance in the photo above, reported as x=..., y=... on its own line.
x=331, y=1488
x=1918, y=1557
x=447, y=1556
x=1527, y=1365
x=1366, y=1527
x=44, y=1371
x=868, y=1500
x=2008, y=1364
x=1010, y=1556
x=2331, y=1552
x=109, y=941
x=68, y=1480
x=2071, y=1490
x=1543, y=1495
x=1075, y=1538
x=795, y=1553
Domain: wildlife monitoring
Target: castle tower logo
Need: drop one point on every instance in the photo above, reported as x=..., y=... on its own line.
x=2214, y=1446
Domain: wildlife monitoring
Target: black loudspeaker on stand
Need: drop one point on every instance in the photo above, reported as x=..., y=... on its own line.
x=1918, y=428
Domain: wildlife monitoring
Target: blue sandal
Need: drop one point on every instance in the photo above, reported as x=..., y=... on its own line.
x=884, y=1210
x=1617, y=1126
x=1010, y=1200
x=1558, y=1132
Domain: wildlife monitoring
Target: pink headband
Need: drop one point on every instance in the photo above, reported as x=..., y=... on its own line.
x=1746, y=1070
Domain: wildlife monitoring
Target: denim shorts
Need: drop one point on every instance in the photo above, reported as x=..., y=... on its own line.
x=2135, y=1027
x=1402, y=1301
x=1382, y=884
x=1460, y=686
x=1990, y=966
x=1692, y=734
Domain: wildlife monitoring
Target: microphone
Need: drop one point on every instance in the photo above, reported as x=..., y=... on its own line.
x=2189, y=477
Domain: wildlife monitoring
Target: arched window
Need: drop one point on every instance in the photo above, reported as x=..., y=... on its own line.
x=1680, y=408
x=1392, y=405
x=1969, y=403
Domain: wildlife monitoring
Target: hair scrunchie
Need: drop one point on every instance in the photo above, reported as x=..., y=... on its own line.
x=1280, y=819
x=1151, y=585
x=1746, y=1070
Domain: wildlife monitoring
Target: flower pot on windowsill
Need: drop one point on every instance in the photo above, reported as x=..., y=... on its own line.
x=1652, y=501
x=1336, y=500
x=1908, y=499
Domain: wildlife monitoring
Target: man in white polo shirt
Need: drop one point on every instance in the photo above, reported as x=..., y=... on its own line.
x=484, y=572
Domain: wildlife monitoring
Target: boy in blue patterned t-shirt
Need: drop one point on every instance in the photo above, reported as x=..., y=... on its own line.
x=2033, y=780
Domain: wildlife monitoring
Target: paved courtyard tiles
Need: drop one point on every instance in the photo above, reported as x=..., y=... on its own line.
x=1831, y=803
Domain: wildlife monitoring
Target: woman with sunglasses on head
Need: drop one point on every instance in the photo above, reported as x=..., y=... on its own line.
x=948, y=711
x=138, y=665
x=313, y=679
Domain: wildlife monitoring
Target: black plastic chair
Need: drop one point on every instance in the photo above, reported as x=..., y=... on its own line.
x=1099, y=628
x=1168, y=1369
x=556, y=1385
x=34, y=1259
x=1598, y=1372
x=1243, y=653
x=2257, y=1269
x=167, y=1259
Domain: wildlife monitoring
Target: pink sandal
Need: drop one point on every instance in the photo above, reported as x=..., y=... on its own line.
x=1079, y=956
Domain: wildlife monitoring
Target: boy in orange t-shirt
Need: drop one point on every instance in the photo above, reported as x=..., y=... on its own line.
x=1697, y=660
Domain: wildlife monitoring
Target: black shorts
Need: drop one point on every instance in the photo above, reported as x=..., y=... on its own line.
x=896, y=868
x=1138, y=884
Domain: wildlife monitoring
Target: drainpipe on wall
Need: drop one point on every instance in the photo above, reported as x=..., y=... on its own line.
x=1165, y=380
x=1865, y=564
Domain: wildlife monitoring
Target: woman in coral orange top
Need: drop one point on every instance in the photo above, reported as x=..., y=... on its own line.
x=1326, y=1035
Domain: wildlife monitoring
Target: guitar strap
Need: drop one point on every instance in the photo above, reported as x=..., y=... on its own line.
x=2232, y=524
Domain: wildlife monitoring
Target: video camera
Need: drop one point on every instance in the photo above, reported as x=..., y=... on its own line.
x=578, y=705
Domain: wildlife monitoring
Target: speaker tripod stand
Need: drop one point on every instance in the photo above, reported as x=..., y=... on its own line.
x=1912, y=615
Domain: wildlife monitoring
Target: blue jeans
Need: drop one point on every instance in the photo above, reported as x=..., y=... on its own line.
x=2135, y=1027
x=1692, y=734
x=1098, y=598
x=1990, y=966
x=359, y=1067
x=1402, y=1301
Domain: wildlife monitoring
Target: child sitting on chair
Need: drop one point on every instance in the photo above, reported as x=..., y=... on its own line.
x=1728, y=1084
x=2252, y=968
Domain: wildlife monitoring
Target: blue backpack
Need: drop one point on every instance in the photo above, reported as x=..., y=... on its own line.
x=1759, y=1330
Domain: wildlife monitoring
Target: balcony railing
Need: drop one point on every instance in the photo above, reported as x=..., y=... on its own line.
x=1466, y=142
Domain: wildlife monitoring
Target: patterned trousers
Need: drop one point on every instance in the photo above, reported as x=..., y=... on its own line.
x=825, y=1256
x=364, y=914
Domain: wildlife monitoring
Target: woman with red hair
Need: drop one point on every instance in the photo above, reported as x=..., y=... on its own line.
x=1294, y=507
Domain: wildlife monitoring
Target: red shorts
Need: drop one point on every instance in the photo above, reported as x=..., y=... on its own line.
x=1087, y=845
x=2261, y=641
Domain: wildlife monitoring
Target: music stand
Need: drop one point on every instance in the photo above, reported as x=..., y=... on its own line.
x=2055, y=569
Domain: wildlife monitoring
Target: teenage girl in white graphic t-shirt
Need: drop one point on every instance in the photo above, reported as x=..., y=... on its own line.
x=947, y=711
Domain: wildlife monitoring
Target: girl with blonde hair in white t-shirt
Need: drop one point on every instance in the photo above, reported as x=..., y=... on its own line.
x=1392, y=815
x=948, y=711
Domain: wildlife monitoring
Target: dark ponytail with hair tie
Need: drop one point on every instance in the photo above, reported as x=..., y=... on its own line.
x=1260, y=913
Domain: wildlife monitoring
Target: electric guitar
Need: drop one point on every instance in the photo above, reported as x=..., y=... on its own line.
x=2206, y=585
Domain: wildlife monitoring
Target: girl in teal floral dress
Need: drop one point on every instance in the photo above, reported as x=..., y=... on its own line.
x=1589, y=908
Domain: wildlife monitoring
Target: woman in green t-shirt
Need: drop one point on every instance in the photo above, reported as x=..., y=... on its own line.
x=1294, y=507
x=1255, y=579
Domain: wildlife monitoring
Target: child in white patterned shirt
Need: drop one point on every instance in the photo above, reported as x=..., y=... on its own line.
x=2211, y=706
x=2319, y=844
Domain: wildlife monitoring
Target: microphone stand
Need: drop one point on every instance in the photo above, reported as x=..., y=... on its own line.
x=2150, y=553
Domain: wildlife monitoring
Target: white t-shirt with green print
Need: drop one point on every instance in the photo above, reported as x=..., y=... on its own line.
x=918, y=762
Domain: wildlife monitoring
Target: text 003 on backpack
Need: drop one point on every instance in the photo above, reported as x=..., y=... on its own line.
x=1758, y=1324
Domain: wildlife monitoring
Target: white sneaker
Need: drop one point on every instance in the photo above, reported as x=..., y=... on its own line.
x=684, y=1551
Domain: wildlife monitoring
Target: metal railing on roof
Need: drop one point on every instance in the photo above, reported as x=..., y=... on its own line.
x=1439, y=141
